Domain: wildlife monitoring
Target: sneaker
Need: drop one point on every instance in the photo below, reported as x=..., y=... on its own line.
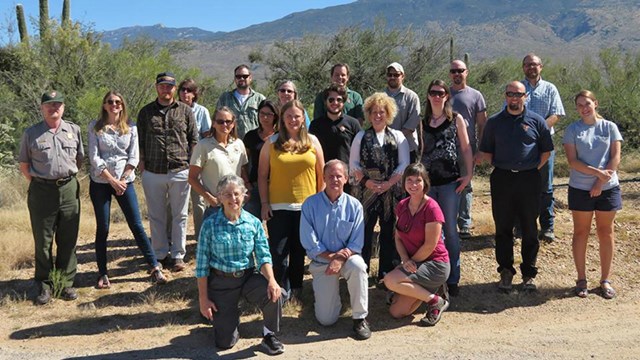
x=272, y=345
x=528, y=284
x=506, y=280
x=178, y=265
x=69, y=294
x=44, y=297
x=464, y=233
x=158, y=277
x=454, y=290
x=547, y=236
x=361, y=328
x=434, y=312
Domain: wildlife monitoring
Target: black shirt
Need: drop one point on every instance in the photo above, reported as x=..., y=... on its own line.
x=335, y=136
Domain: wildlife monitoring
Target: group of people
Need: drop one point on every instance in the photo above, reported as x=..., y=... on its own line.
x=321, y=186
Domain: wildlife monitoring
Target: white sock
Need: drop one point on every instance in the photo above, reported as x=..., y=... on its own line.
x=266, y=331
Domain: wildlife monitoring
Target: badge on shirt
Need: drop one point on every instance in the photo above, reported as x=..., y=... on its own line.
x=70, y=136
x=342, y=128
x=525, y=127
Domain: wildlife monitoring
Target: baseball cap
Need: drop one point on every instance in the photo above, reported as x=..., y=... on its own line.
x=166, y=78
x=397, y=67
x=52, y=96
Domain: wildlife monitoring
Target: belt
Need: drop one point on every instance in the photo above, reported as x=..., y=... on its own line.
x=56, y=182
x=517, y=171
x=236, y=274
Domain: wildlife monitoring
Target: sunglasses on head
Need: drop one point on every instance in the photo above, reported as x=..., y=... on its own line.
x=515, y=94
x=332, y=100
x=114, y=102
x=437, y=93
x=457, y=71
x=244, y=77
x=223, y=122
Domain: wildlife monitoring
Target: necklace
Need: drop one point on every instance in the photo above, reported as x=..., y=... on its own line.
x=413, y=212
x=435, y=121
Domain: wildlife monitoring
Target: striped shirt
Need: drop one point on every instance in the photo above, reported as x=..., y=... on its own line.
x=229, y=246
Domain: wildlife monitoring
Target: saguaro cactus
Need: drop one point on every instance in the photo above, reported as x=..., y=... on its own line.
x=22, y=24
x=44, y=18
x=66, y=21
x=466, y=59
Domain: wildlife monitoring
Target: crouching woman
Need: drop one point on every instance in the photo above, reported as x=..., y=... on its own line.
x=231, y=249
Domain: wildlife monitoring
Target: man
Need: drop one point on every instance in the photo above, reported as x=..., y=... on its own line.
x=469, y=103
x=332, y=233
x=243, y=101
x=407, y=119
x=188, y=93
x=543, y=99
x=353, y=104
x=335, y=130
x=50, y=155
x=518, y=143
x=167, y=132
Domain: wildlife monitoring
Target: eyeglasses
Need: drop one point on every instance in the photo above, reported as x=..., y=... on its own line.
x=394, y=75
x=437, y=93
x=457, y=71
x=332, y=100
x=243, y=76
x=186, y=90
x=114, y=102
x=515, y=94
x=288, y=91
x=405, y=221
x=232, y=195
x=267, y=114
x=223, y=122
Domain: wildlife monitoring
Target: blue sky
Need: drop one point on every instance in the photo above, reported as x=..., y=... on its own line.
x=213, y=15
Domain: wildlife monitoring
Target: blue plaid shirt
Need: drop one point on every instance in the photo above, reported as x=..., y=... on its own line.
x=543, y=99
x=229, y=246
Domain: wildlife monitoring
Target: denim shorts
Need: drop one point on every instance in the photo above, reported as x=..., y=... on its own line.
x=608, y=200
x=430, y=274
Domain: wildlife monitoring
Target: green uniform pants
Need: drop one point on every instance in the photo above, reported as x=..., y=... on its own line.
x=55, y=212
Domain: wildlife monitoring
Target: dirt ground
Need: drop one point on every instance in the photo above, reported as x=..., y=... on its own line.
x=137, y=320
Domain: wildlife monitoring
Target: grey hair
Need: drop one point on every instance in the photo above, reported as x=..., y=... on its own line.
x=231, y=180
x=328, y=164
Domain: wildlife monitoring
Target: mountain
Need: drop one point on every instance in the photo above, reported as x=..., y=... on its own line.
x=483, y=28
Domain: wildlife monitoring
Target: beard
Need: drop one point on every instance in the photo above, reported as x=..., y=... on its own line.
x=514, y=107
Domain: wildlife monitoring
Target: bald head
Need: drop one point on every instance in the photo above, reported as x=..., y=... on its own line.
x=516, y=95
x=458, y=74
x=515, y=86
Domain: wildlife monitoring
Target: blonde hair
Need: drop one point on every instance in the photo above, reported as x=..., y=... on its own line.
x=282, y=143
x=589, y=95
x=383, y=100
x=123, y=119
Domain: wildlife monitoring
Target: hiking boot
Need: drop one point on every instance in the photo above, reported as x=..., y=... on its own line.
x=158, y=277
x=44, y=297
x=69, y=294
x=547, y=236
x=272, y=345
x=434, y=312
x=506, y=280
x=361, y=328
x=528, y=284
x=178, y=265
x=464, y=233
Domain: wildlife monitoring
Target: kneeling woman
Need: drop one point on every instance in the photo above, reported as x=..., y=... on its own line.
x=231, y=248
x=425, y=262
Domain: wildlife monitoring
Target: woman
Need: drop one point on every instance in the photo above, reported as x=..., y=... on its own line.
x=287, y=91
x=232, y=260
x=424, y=266
x=444, y=137
x=219, y=154
x=113, y=155
x=378, y=157
x=592, y=145
x=290, y=170
x=253, y=141
x=188, y=93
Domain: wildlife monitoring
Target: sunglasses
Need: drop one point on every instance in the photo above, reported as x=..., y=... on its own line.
x=515, y=94
x=223, y=122
x=267, y=114
x=332, y=100
x=186, y=90
x=114, y=102
x=288, y=91
x=244, y=77
x=437, y=93
x=457, y=71
x=394, y=75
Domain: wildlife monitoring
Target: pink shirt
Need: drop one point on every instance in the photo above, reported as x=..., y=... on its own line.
x=414, y=237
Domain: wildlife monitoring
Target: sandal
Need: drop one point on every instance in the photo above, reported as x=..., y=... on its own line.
x=581, y=288
x=158, y=277
x=607, y=292
x=103, y=282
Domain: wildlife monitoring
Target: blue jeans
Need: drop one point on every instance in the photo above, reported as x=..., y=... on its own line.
x=546, y=195
x=464, y=212
x=449, y=201
x=101, y=198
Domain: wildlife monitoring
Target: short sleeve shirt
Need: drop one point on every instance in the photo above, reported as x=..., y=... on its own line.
x=468, y=102
x=335, y=136
x=413, y=239
x=217, y=161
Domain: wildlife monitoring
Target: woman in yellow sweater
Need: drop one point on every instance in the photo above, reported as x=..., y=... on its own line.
x=290, y=170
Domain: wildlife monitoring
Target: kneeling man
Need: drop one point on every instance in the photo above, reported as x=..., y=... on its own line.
x=332, y=233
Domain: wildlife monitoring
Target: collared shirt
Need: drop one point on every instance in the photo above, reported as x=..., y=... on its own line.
x=327, y=226
x=543, y=99
x=468, y=102
x=352, y=107
x=335, y=136
x=217, y=161
x=246, y=113
x=166, y=136
x=408, y=116
x=52, y=153
x=109, y=150
x=203, y=118
x=229, y=246
x=516, y=141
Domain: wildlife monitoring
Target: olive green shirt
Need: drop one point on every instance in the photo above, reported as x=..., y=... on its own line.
x=246, y=113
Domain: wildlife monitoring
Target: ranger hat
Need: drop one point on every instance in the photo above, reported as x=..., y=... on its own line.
x=52, y=96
